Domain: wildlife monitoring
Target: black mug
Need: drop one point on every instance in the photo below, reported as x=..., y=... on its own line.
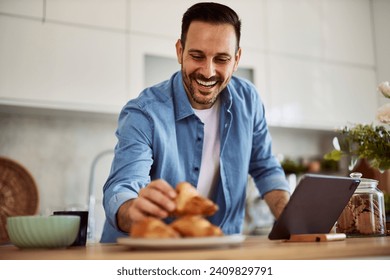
x=81, y=238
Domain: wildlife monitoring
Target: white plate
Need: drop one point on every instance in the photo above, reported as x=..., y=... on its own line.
x=179, y=243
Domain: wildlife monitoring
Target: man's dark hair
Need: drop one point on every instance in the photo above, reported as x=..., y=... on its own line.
x=213, y=13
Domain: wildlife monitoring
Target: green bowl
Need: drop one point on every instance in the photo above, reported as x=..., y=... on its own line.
x=43, y=231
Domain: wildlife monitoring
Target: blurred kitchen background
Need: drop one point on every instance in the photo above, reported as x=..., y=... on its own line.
x=68, y=66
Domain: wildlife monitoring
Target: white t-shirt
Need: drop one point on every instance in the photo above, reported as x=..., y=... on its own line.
x=209, y=169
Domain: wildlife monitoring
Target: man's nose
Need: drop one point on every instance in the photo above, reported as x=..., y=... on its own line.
x=208, y=69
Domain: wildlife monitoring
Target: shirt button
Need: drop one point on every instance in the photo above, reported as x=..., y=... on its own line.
x=196, y=169
x=199, y=139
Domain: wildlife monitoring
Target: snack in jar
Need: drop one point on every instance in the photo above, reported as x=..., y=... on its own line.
x=364, y=215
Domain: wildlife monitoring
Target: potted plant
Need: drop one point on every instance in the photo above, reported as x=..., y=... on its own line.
x=363, y=141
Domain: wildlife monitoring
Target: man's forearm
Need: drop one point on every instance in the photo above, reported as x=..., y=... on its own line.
x=276, y=200
x=122, y=217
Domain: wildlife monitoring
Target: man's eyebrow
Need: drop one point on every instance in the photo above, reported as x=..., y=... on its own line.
x=194, y=51
x=201, y=52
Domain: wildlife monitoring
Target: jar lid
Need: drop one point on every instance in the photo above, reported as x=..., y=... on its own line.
x=363, y=181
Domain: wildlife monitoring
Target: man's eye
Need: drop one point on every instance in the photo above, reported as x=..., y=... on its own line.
x=222, y=59
x=197, y=57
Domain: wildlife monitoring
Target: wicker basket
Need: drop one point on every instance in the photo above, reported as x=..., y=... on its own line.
x=18, y=193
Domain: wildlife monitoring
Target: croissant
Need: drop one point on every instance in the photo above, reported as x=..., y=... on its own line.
x=189, y=202
x=152, y=228
x=195, y=226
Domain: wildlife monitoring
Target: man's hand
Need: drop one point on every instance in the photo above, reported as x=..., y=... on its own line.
x=276, y=201
x=156, y=199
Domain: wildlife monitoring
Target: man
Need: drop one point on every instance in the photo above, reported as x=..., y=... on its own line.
x=203, y=126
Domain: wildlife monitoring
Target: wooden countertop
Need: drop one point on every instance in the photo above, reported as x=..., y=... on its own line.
x=253, y=248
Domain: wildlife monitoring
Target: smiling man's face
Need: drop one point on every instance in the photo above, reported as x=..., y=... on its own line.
x=208, y=61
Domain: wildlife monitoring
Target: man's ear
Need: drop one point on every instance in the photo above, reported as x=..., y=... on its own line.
x=238, y=56
x=179, y=51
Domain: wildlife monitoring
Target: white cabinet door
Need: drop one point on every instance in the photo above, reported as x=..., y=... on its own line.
x=61, y=66
x=338, y=31
x=295, y=27
x=308, y=94
x=354, y=94
x=313, y=60
x=348, y=31
x=30, y=8
x=157, y=18
x=321, y=63
x=110, y=14
x=295, y=92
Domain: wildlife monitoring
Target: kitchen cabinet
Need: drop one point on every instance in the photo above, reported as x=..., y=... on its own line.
x=312, y=60
x=295, y=27
x=321, y=63
x=157, y=18
x=307, y=94
x=61, y=66
x=24, y=8
x=336, y=31
x=108, y=14
x=348, y=32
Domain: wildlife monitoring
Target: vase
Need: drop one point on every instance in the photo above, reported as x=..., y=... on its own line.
x=383, y=177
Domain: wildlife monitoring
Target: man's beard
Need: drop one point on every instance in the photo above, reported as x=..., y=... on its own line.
x=191, y=91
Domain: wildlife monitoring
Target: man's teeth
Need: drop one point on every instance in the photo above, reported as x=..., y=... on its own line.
x=206, y=84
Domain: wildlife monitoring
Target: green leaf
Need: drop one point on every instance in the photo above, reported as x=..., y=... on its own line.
x=334, y=155
x=364, y=141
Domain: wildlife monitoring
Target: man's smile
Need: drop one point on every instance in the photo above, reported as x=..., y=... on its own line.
x=208, y=84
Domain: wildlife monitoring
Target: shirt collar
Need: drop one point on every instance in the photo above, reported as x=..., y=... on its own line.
x=182, y=105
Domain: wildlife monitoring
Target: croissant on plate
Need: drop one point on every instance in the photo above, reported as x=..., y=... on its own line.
x=152, y=228
x=189, y=222
x=189, y=202
x=195, y=226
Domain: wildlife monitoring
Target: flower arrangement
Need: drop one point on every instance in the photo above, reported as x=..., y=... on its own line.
x=371, y=142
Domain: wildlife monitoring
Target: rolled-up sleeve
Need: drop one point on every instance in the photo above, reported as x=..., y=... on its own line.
x=132, y=161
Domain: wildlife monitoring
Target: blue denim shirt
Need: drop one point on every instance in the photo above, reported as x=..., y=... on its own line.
x=159, y=136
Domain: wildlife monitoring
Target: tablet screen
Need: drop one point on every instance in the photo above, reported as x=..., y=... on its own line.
x=314, y=206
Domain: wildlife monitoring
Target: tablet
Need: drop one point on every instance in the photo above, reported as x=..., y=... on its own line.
x=314, y=206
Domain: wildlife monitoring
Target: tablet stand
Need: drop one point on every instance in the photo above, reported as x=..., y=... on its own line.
x=312, y=237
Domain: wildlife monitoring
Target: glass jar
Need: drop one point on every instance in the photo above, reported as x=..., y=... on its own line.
x=364, y=215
